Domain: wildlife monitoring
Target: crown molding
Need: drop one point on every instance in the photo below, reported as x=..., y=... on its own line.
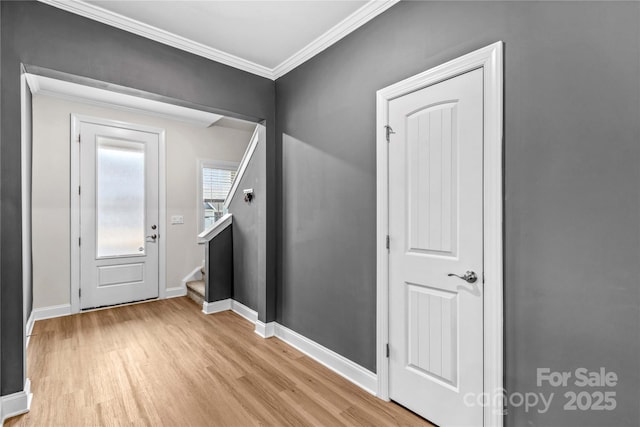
x=351, y=23
x=348, y=25
x=150, y=32
x=120, y=101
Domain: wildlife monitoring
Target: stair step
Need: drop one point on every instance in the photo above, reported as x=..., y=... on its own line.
x=196, y=286
x=195, y=291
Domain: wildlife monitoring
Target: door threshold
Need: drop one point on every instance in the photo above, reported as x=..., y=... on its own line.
x=105, y=307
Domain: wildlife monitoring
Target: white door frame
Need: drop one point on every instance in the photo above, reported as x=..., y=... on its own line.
x=26, y=150
x=490, y=59
x=76, y=120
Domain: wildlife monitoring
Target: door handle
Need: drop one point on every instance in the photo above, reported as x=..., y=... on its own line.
x=152, y=237
x=469, y=276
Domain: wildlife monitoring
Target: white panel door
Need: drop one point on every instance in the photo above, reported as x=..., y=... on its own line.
x=435, y=228
x=118, y=215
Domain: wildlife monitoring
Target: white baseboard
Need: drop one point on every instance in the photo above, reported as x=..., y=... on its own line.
x=265, y=330
x=230, y=304
x=178, y=291
x=344, y=367
x=16, y=403
x=244, y=311
x=29, y=328
x=216, y=306
x=355, y=373
x=65, y=309
x=341, y=365
x=196, y=274
x=51, y=312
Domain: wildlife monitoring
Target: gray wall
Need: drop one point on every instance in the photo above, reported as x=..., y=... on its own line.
x=43, y=36
x=249, y=237
x=572, y=126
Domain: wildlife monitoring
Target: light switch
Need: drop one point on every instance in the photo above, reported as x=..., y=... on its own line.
x=177, y=219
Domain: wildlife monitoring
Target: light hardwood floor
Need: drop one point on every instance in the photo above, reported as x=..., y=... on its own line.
x=164, y=363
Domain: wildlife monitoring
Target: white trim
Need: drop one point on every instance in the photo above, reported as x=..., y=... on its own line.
x=26, y=149
x=41, y=85
x=265, y=330
x=355, y=373
x=244, y=311
x=177, y=291
x=345, y=27
x=262, y=329
x=493, y=231
x=196, y=274
x=99, y=14
x=382, y=255
x=209, y=164
x=233, y=305
x=75, y=216
x=16, y=403
x=51, y=312
x=162, y=215
x=489, y=58
x=180, y=291
x=216, y=306
x=29, y=329
x=258, y=134
x=351, y=23
x=33, y=82
x=76, y=119
x=215, y=229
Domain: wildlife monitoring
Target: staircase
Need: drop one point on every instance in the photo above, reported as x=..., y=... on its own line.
x=195, y=289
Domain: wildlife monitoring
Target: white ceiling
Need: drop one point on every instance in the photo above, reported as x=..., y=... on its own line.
x=265, y=37
x=264, y=32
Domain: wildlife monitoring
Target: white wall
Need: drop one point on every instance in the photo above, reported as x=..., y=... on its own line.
x=51, y=189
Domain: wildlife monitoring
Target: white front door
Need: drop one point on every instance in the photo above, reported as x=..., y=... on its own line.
x=436, y=230
x=118, y=215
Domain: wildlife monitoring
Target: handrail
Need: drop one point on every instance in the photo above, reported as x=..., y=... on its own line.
x=215, y=229
x=258, y=134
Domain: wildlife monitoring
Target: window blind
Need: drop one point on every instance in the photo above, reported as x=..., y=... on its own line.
x=216, y=184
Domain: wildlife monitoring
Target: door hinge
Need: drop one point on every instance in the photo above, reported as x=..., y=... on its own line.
x=389, y=131
x=388, y=242
x=80, y=293
x=78, y=190
x=79, y=241
x=79, y=138
x=387, y=350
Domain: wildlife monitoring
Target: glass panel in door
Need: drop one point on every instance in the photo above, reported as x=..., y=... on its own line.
x=120, y=198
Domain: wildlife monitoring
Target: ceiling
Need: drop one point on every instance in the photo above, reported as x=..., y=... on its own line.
x=264, y=37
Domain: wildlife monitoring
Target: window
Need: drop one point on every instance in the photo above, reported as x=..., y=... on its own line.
x=215, y=182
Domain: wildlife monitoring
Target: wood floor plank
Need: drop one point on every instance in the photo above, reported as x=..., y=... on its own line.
x=166, y=363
